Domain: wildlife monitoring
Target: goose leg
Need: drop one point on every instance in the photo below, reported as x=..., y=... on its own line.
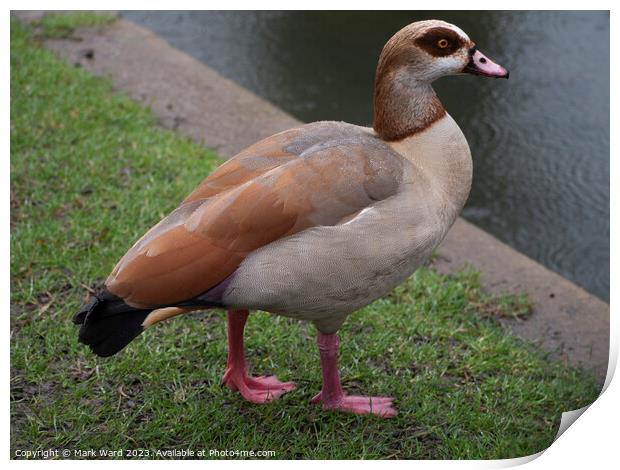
x=332, y=396
x=255, y=389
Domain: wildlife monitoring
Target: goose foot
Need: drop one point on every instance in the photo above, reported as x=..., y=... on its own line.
x=333, y=397
x=261, y=389
x=254, y=389
x=380, y=406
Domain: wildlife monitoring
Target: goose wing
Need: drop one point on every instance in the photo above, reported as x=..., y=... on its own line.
x=249, y=202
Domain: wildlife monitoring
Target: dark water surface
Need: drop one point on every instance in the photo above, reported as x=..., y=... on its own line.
x=540, y=141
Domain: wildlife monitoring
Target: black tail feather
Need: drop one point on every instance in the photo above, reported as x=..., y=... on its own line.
x=109, y=324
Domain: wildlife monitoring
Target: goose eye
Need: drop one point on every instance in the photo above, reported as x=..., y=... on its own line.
x=442, y=43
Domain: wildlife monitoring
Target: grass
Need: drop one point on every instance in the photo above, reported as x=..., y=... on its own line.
x=90, y=172
x=56, y=26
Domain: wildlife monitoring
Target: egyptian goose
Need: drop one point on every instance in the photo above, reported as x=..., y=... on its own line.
x=312, y=223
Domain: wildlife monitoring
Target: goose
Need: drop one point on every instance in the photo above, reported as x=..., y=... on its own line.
x=312, y=223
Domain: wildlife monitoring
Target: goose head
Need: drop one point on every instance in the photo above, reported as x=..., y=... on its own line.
x=427, y=50
x=417, y=55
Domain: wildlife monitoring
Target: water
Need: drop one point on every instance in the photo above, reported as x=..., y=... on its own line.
x=540, y=140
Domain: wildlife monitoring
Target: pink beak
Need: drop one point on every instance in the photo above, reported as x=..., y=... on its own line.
x=479, y=64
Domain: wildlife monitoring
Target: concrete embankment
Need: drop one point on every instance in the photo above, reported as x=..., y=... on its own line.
x=196, y=101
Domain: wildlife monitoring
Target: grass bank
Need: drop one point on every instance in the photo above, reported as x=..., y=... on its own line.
x=90, y=172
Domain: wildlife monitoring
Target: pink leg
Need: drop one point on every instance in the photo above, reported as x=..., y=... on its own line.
x=331, y=394
x=255, y=389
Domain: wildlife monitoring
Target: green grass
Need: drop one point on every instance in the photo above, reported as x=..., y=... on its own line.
x=63, y=25
x=90, y=172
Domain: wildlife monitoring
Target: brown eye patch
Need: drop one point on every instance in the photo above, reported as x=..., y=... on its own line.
x=440, y=42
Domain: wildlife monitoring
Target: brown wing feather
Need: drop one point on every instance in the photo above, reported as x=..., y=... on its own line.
x=204, y=240
x=255, y=160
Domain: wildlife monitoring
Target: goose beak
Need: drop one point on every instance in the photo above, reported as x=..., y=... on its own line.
x=479, y=64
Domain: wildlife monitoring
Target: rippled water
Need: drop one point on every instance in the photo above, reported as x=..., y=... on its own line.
x=540, y=140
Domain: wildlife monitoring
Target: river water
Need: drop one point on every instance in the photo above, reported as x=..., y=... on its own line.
x=540, y=141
